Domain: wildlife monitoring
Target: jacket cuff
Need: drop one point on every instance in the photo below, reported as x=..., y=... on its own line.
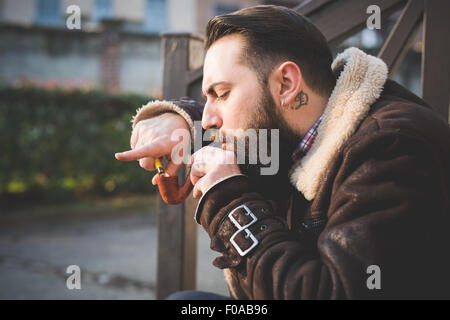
x=239, y=221
x=207, y=194
x=157, y=107
x=220, y=193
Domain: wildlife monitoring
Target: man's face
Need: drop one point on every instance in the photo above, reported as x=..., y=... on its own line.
x=236, y=99
x=231, y=88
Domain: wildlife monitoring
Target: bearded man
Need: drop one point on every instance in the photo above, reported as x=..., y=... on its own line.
x=363, y=181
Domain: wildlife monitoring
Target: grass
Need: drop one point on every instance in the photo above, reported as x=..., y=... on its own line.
x=92, y=207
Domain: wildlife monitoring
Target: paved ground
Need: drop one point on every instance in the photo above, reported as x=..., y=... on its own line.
x=116, y=253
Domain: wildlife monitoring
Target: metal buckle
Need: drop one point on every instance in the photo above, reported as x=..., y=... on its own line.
x=240, y=228
x=236, y=246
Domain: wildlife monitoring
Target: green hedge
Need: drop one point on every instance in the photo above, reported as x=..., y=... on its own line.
x=58, y=144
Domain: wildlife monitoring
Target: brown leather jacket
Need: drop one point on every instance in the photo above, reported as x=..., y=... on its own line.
x=373, y=190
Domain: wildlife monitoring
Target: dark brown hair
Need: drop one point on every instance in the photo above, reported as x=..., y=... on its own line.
x=274, y=34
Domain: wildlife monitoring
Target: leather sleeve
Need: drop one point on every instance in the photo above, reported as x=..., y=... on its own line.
x=385, y=209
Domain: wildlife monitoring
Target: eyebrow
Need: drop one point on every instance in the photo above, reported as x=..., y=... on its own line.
x=213, y=85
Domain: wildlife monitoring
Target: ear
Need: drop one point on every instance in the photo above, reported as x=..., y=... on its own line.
x=288, y=82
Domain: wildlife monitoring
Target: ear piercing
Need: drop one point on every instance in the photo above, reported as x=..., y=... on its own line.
x=283, y=106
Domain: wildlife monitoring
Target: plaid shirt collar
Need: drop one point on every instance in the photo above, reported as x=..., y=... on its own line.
x=305, y=145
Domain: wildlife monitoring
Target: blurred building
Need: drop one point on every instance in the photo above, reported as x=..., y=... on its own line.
x=139, y=15
x=119, y=46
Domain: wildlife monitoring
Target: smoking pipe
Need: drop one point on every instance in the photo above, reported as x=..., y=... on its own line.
x=168, y=186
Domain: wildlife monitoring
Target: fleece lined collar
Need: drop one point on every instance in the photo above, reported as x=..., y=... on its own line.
x=357, y=88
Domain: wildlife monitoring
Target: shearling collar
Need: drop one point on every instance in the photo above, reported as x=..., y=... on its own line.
x=357, y=88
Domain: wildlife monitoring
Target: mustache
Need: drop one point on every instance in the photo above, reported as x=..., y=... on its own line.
x=232, y=139
x=221, y=139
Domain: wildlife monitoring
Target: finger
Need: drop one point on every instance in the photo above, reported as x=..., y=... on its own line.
x=198, y=170
x=197, y=191
x=154, y=179
x=194, y=179
x=199, y=159
x=139, y=144
x=200, y=186
x=147, y=163
x=211, y=155
x=153, y=149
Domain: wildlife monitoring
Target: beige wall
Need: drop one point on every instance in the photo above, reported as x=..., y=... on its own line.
x=238, y=3
x=182, y=15
x=130, y=10
x=205, y=10
x=18, y=11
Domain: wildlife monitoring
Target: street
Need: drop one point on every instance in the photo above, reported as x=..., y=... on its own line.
x=116, y=254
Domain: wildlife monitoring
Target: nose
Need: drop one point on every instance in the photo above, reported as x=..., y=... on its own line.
x=211, y=118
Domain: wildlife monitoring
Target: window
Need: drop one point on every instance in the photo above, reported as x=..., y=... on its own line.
x=155, y=16
x=49, y=12
x=102, y=9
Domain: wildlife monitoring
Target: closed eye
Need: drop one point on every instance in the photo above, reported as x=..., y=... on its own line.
x=223, y=96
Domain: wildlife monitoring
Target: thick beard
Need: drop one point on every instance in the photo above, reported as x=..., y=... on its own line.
x=266, y=116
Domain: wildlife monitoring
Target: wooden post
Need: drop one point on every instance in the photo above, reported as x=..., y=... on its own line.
x=400, y=38
x=338, y=20
x=177, y=229
x=436, y=56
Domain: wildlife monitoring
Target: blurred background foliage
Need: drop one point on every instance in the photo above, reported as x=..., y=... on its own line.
x=59, y=145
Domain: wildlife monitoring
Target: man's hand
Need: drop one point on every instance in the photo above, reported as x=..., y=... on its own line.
x=209, y=165
x=151, y=138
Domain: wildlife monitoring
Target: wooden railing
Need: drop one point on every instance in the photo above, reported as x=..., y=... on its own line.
x=177, y=229
x=338, y=20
